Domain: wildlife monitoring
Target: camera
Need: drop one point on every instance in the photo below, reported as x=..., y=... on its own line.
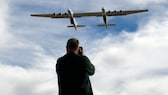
x=80, y=51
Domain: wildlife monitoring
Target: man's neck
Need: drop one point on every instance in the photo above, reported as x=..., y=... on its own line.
x=71, y=51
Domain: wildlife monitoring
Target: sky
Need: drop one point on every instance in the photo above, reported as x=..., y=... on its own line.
x=130, y=59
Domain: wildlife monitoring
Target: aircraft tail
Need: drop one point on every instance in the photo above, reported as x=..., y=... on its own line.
x=77, y=26
x=106, y=24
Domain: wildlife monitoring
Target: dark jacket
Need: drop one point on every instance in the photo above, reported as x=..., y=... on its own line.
x=73, y=75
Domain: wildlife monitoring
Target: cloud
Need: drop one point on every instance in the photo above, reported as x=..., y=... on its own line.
x=133, y=63
x=143, y=2
x=18, y=81
x=4, y=35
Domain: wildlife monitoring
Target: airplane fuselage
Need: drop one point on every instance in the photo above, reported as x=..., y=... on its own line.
x=104, y=17
x=72, y=19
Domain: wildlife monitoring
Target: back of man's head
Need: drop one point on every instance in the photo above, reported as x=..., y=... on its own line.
x=72, y=44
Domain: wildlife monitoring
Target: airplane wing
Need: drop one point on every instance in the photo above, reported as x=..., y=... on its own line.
x=126, y=12
x=87, y=14
x=109, y=13
x=66, y=15
x=54, y=15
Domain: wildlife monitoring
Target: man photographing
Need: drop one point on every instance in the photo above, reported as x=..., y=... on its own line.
x=73, y=71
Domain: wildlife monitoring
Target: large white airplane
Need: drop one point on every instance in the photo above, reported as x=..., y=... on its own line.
x=69, y=14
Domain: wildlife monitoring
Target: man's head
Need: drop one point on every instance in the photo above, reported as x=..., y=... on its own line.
x=72, y=45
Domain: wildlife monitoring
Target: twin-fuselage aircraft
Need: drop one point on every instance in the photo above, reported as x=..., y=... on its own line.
x=69, y=14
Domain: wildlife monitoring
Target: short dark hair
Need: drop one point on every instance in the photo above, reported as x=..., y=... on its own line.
x=72, y=43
